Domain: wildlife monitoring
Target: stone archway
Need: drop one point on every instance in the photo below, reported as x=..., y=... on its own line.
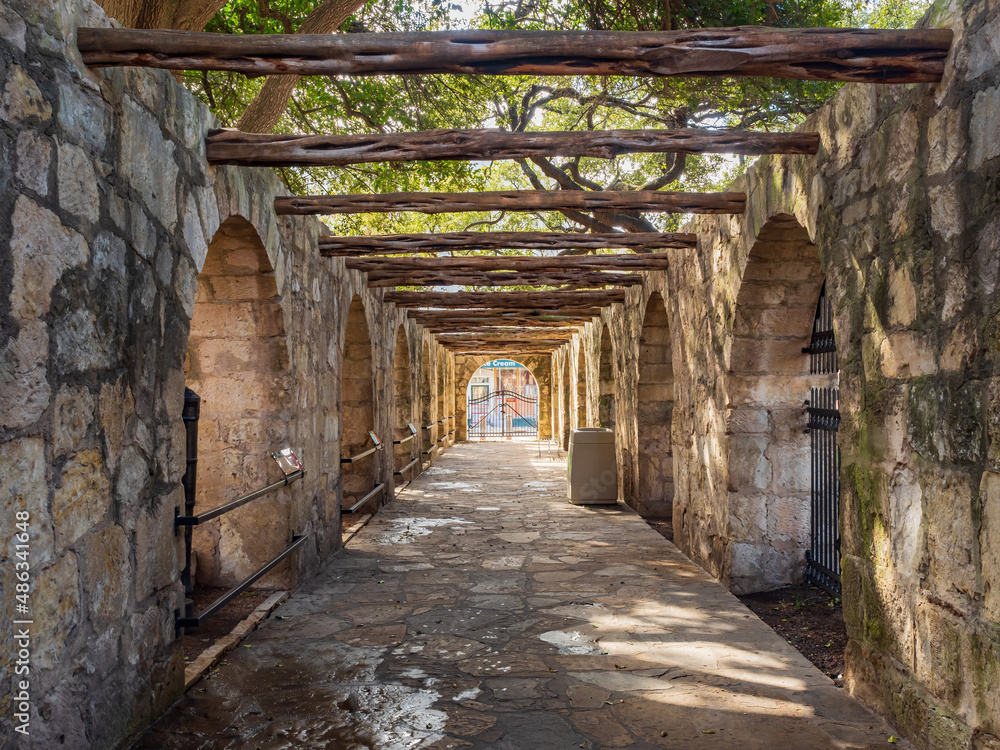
x=566, y=399
x=403, y=403
x=582, y=420
x=237, y=362
x=606, y=381
x=655, y=406
x=769, y=473
x=427, y=428
x=357, y=404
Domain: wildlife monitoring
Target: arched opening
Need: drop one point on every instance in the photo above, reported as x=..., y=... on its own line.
x=769, y=378
x=442, y=411
x=606, y=382
x=581, y=389
x=357, y=414
x=427, y=428
x=406, y=450
x=655, y=406
x=567, y=400
x=237, y=362
x=502, y=402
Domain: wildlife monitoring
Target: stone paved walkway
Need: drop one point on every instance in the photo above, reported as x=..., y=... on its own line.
x=481, y=610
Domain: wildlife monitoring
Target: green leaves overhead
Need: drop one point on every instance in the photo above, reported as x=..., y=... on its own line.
x=410, y=103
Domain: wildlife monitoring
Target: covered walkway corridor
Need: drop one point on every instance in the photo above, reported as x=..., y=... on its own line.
x=481, y=610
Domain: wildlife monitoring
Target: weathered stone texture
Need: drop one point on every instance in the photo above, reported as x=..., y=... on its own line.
x=898, y=215
x=111, y=254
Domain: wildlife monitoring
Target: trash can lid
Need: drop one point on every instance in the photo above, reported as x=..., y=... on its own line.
x=588, y=435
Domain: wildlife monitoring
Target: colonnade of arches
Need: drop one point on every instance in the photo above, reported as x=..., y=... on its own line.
x=240, y=365
x=613, y=376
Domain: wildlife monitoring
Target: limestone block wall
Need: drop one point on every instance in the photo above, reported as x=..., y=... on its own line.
x=108, y=212
x=898, y=213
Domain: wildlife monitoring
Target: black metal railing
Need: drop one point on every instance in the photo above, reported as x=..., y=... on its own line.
x=292, y=470
x=374, y=492
x=431, y=445
x=377, y=445
x=823, y=556
x=190, y=620
x=413, y=433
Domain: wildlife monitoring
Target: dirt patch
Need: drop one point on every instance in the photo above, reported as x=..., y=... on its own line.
x=805, y=616
x=663, y=526
x=222, y=623
x=810, y=620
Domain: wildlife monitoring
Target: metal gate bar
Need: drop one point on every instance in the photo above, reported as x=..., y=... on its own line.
x=823, y=557
x=503, y=414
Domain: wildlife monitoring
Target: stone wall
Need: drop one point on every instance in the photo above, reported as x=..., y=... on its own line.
x=898, y=213
x=108, y=215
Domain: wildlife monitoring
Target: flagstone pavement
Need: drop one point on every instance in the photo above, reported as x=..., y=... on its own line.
x=481, y=610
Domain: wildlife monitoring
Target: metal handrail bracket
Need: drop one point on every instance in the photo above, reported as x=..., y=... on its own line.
x=208, y=515
x=376, y=447
x=378, y=488
x=406, y=468
x=192, y=621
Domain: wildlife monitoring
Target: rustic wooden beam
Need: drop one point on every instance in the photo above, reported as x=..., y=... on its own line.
x=515, y=200
x=819, y=54
x=280, y=150
x=506, y=328
x=410, y=244
x=509, y=320
x=576, y=313
x=565, y=279
x=507, y=300
x=500, y=324
x=630, y=262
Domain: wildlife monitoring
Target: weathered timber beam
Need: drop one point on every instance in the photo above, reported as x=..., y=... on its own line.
x=494, y=314
x=631, y=262
x=499, y=326
x=517, y=340
x=494, y=352
x=278, y=150
x=515, y=200
x=580, y=313
x=448, y=241
x=465, y=328
x=819, y=54
x=509, y=300
x=574, y=279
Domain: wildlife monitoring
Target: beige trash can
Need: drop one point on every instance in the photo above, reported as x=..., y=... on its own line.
x=592, y=471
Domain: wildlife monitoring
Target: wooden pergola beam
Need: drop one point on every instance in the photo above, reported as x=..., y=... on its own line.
x=497, y=329
x=515, y=200
x=279, y=150
x=505, y=326
x=819, y=54
x=506, y=300
x=565, y=279
x=630, y=262
x=448, y=241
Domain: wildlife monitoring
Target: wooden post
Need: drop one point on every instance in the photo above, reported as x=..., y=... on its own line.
x=515, y=200
x=819, y=54
x=447, y=241
x=278, y=150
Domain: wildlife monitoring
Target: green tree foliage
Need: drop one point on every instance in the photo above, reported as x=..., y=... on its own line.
x=408, y=103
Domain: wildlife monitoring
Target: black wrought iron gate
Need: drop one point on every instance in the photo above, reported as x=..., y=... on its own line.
x=503, y=414
x=823, y=408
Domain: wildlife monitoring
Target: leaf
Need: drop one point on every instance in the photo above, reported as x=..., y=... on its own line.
x=893, y=739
